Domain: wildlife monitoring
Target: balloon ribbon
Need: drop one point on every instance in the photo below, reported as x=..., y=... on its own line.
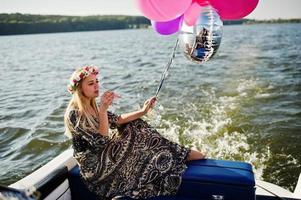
x=165, y=73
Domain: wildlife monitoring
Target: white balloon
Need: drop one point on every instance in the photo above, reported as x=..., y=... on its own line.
x=201, y=41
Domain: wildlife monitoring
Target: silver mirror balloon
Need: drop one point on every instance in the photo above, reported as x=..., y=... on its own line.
x=201, y=41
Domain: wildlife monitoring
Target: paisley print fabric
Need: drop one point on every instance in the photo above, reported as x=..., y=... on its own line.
x=134, y=161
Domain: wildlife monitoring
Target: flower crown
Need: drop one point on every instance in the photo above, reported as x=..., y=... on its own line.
x=79, y=75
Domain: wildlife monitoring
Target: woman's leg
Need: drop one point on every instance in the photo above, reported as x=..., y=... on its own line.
x=195, y=155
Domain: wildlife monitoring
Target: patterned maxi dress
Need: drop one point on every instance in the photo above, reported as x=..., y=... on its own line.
x=135, y=161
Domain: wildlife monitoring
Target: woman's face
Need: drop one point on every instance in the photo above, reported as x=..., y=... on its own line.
x=90, y=86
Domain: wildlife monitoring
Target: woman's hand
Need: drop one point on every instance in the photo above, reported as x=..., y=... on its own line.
x=106, y=100
x=148, y=104
x=128, y=117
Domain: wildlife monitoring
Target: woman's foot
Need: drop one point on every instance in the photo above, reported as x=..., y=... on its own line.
x=195, y=155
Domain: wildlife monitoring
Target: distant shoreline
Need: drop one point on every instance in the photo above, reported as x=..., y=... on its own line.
x=17, y=23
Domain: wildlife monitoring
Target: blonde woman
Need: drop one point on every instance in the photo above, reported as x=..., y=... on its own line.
x=134, y=161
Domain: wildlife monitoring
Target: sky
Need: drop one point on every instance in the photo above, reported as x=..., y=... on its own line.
x=266, y=9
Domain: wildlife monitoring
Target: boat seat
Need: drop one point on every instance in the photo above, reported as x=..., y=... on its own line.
x=202, y=180
x=218, y=179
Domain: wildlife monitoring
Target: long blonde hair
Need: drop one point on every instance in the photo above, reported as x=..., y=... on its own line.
x=79, y=102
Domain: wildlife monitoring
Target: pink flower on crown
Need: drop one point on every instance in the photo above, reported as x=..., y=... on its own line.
x=81, y=75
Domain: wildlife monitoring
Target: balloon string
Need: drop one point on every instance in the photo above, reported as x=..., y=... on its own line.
x=164, y=74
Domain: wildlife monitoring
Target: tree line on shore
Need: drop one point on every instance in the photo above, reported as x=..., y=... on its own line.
x=17, y=23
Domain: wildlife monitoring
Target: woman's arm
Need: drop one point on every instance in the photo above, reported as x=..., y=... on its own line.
x=103, y=127
x=125, y=118
x=105, y=101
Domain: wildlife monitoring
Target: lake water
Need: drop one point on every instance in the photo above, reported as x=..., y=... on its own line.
x=244, y=104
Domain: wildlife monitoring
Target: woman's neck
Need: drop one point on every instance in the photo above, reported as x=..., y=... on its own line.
x=90, y=109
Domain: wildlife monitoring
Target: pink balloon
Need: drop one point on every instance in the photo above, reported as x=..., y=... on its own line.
x=202, y=2
x=168, y=28
x=233, y=9
x=163, y=10
x=192, y=13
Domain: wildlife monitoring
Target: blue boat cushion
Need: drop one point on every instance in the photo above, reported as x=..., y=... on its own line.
x=220, y=171
x=222, y=163
x=203, y=179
